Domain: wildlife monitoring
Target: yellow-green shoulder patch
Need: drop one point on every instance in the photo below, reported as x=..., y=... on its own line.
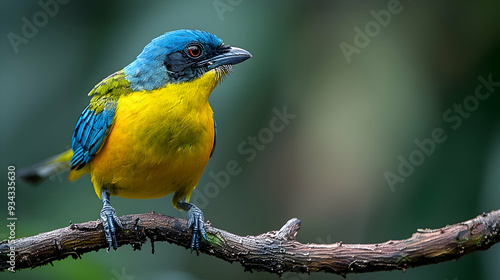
x=109, y=90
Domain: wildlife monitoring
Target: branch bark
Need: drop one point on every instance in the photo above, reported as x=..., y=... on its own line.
x=274, y=251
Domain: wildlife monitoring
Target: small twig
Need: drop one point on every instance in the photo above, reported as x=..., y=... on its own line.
x=275, y=251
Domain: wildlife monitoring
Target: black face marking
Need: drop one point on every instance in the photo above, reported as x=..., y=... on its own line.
x=191, y=62
x=181, y=67
x=176, y=62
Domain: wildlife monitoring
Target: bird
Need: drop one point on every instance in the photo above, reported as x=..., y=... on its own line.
x=148, y=130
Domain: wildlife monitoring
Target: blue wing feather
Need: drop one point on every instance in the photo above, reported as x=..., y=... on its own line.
x=90, y=132
x=96, y=120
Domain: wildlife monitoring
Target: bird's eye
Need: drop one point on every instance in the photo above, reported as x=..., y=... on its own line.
x=194, y=51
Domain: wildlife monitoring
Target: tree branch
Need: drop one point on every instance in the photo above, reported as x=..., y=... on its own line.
x=274, y=251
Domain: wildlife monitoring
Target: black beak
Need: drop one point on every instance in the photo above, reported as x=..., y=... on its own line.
x=230, y=56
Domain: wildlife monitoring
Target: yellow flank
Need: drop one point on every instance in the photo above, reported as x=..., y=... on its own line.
x=160, y=142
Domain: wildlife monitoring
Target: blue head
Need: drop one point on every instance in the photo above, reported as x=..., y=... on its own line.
x=181, y=56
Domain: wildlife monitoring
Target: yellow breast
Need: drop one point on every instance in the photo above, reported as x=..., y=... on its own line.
x=160, y=141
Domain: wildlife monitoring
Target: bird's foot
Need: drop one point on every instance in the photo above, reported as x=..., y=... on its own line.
x=196, y=221
x=109, y=221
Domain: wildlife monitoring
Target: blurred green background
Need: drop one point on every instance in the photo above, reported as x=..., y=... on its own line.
x=353, y=121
